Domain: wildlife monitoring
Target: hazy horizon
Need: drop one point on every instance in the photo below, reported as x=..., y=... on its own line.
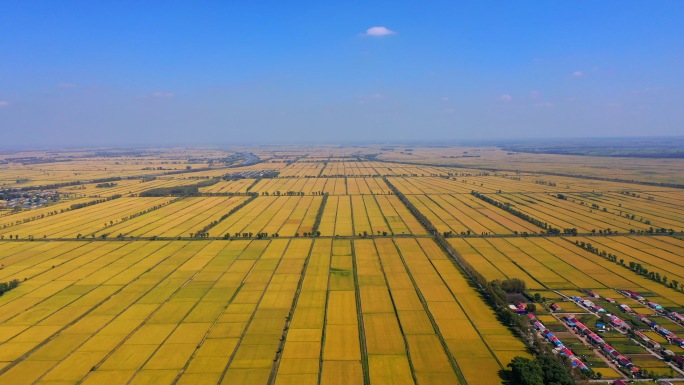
x=129, y=74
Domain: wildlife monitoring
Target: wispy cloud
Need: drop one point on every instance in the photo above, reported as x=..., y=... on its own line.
x=160, y=94
x=379, y=31
x=578, y=74
x=66, y=85
x=505, y=98
x=376, y=96
x=4, y=104
x=647, y=90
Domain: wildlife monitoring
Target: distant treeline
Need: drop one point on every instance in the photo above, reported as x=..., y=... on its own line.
x=494, y=292
x=507, y=207
x=608, y=151
x=105, y=185
x=77, y=206
x=204, y=232
x=7, y=286
x=187, y=190
x=640, y=182
x=64, y=184
x=187, y=170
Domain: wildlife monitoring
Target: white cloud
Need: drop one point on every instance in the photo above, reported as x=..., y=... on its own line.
x=505, y=98
x=67, y=85
x=160, y=94
x=379, y=31
x=578, y=74
x=4, y=103
x=376, y=96
x=647, y=90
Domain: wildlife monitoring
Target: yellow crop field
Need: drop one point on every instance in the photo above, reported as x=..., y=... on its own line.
x=324, y=264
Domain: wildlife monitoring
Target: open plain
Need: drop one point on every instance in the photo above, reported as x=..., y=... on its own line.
x=326, y=265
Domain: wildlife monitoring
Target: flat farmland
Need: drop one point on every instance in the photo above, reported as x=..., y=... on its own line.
x=626, y=168
x=10, y=218
x=280, y=186
x=580, y=214
x=461, y=213
x=284, y=215
x=188, y=308
x=556, y=263
x=178, y=219
x=124, y=187
x=401, y=309
x=86, y=220
x=215, y=312
x=328, y=270
x=369, y=215
x=232, y=186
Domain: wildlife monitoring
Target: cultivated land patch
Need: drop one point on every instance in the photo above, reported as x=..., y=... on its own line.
x=308, y=268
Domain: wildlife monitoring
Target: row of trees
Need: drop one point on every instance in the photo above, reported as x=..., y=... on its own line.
x=496, y=294
x=543, y=370
x=319, y=217
x=105, y=185
x=77, y=206
x=7, y=286
x=187, y=190
x=204, y=232
x=55, y=186
x=507, y=207
x=290, y=193
x=633, y=266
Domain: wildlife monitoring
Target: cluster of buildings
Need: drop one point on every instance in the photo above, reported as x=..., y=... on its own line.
x=588, y=304
x=620, y=324
x=27, y=199
x=596, y=340
x=670, y=336
x=562, y=349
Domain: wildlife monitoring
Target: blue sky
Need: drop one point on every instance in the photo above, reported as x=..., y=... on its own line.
x=125, y=73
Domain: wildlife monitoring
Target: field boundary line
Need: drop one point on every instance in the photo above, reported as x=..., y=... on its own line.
x=359, y=316
x=256, y=307
x=295, y=300
x=396, y=313
x=143, y=322
x=454, y=365
x=57, y=333
x=325, y=311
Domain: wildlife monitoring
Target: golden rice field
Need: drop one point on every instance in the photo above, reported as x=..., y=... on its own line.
x=129, y=291
x=215, y=312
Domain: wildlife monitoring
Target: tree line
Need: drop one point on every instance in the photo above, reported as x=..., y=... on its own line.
x=494, y=292
x=507, y=207
x=7, y=286
x=77, y=206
